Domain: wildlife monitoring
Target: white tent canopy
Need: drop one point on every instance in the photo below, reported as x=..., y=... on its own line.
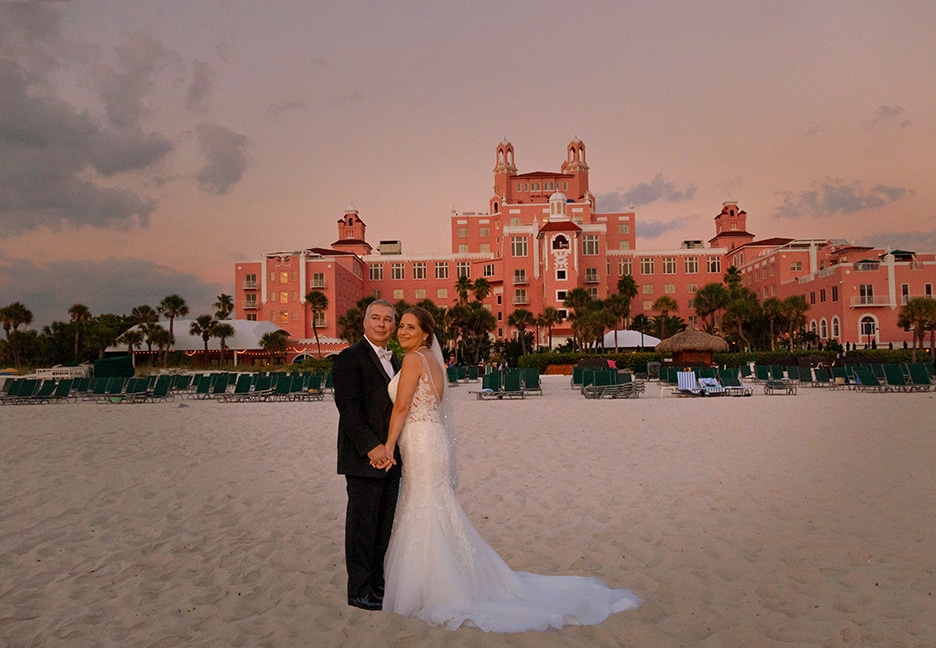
x=627, y=339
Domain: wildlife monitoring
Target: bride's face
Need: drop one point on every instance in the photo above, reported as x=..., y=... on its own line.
x=409, y=334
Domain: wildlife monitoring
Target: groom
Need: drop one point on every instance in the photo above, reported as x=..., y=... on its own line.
x=361, y=374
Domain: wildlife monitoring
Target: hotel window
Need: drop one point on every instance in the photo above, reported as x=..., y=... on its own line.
x=463, y=269
x=669, y=265
x=250, y=281
x=397, y=270
x=669, y=289
x=463, y=248
x=623, y=245
x=823, y=329
x=625, y=267
x=488, y=270
x=250, y=301
x=646, y=265
x=419, y=270
x=692, y=288
x=441, y=293
x=295, y=296
x=713, y=264
x=484, y=232
x=692, y=265
x=462, y=232
x=520, y=276
x=398, y=294
x=420, y=293
x=441, y=271
x=485, y=247
x=904, y=293
x=928, y=290
x=592, y=292
x=623, y=228
x=272, y=316
x=796, y=266
x=273, y=296
x=376, y=272
x=591, y=275
x=284, y=277
x=835, y=327
x=563, y=314
x=690, y=303
x=812, y=297
x=518, y=246
x=590, y=245
x=835, y=293
x=560, y=243
x=560, y=296
x=284, y=317
x=560, y=275
x=319, y=319
x=284, y=297
x=648, y=306
x=514, y=220
x=318, y=280
x=822, y=295
x=565, y=186
x=251, y=317
x=520, y=296
x=499, y=299
x=866, y=293
x=294, y=276
x=647, y=289
x=272, y=277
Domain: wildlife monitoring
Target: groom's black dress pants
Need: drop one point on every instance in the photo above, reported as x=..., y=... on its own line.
x=368, y=523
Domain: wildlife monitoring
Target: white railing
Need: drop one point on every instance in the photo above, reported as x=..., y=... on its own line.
x=250, y=285
x=870, y=301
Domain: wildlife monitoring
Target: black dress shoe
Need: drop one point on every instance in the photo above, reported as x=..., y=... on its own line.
x=378, y=593
x=366, y=602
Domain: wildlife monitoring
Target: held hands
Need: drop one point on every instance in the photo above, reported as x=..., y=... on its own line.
x=381, y=457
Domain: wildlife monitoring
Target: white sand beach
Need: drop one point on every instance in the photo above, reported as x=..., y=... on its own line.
x=806, y=520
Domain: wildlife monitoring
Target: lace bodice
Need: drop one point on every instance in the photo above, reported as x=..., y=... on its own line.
x=425, y=405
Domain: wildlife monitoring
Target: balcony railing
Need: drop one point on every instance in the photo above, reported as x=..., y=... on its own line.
x=320, y=323
x=592, y=279
x=317, y=283
x=520, y=280
x=873, y=300
x=250, y=285
x=520, y=300
x=250, y=306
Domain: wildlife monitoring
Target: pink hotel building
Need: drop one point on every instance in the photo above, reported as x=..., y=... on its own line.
x=544, y=236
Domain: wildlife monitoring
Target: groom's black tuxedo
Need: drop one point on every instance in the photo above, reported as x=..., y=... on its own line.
x=364, y=409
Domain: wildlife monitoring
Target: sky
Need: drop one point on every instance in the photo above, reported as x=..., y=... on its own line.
x=146, y=146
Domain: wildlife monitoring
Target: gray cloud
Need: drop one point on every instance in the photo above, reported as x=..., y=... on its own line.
x=912, y=241
x=886, y=116
x=655, y=229
x=114, y=285
x=644, y=193
x=123, y=89
x=833, y=196
x=225, y=157
x=286, y=106
x=203, y=76
x=45, y=149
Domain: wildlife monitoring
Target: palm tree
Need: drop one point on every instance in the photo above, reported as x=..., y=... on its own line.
x=620, y=303
x=318, y=302
x=204, y=326
x=162, y=339
x=664, y=306
x=580, y=302
x=917, y=314
x=710, y=299
x=132, y=338
x=463, y=286
x=794, y=310
x=773, y=310
x=481, y=289
x=520, y=319
x=79, y=316
x=224, y=306
x=223, y=331
x=549, y=318
x=742, y=310
x=173, y=306
x=143, y=314
x=275, y=341
x=13, y=315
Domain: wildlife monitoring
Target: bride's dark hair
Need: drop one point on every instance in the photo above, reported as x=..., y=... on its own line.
x=425, y=320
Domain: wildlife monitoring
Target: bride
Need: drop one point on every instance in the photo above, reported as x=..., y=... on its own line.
x=438, y=568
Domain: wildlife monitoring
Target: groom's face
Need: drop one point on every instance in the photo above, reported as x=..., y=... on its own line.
x=378, y=324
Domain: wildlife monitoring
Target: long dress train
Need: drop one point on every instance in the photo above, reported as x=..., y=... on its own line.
x=440, y=570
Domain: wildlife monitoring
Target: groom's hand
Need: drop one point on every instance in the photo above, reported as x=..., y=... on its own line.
x=380, y=458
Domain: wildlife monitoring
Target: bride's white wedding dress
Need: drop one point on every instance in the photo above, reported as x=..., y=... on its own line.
x=440, y=570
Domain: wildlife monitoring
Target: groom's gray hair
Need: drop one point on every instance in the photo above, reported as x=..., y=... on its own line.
x=381, y=302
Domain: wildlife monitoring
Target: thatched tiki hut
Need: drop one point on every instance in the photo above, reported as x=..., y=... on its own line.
x=692, y=347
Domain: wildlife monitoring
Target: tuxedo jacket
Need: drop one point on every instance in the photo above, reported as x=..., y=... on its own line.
x=364, y=408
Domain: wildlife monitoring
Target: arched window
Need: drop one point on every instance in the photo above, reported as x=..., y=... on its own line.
x=868, y=328
x=836, y=328
x=812, y=326
x=823, y=329
x=560, y=243
x=495, y=208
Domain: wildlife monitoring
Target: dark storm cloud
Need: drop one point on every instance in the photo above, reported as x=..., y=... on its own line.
x=912, y=241
x=655, y=229
x=225, y=157
x=203, y=76
x=834, y=196
x=123, y=88
x=49, y=289
x=644, y=193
